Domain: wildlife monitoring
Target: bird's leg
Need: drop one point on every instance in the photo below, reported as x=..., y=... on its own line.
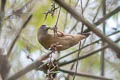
x=60, y=34
x=54, y=46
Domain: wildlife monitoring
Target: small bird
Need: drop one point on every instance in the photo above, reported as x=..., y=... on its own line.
x=60, y=41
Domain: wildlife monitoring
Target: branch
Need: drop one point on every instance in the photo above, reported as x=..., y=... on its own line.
x=111, y=44
x=18, y=12
x=83, y=10
x=85, y=75
x=3, y=2
x=86, y=55
x=96, y=13
x=2, y=13
x=4, y=66
x=102, y=57
x=107, y=16
x=101, y=20
x=30, y=67
x=17, y=35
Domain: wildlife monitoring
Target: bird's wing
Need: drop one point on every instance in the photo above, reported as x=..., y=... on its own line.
x=66, y=41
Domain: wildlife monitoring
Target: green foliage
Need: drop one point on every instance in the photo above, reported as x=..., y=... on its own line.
x=39, y=16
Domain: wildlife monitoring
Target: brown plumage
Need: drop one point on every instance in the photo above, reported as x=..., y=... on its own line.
x=64, y=41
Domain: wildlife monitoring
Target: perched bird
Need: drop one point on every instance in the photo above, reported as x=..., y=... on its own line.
x=61, y=40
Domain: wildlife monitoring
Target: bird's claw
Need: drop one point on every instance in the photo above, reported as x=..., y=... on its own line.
x=61, y=34
x=54, y=47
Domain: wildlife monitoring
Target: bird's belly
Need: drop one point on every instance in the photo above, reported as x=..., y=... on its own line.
x=45, y=43
x=64, y=44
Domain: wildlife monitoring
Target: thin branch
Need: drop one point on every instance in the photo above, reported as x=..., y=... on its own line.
x=79, y=43
x=2, y=13
x=71, y=67
x=51, y=11
x=18, y=11
x=3, y=2
x=102, y=57
x=85, y=75
x=30, y=67
x=17, y=35
x=86, y=55
x=97, y=12
x=73, y=27
x=83, y=57
x=58, y=17
x=101, y=20
x=92, y=27
x=87, y=45
x=113, y=65
x=67, y=15
x=55, y=27
x=83, y=10
x=77, y=61
x=86, y=5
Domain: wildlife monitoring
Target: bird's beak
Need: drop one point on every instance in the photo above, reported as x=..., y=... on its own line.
x=49, y=28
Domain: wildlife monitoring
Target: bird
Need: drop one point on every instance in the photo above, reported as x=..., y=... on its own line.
x=61, y=41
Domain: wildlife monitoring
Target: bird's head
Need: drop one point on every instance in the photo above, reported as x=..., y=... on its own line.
x=43, y=29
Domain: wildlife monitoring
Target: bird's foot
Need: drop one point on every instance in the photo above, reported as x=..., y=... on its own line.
x=55, y=46
x=60, y=34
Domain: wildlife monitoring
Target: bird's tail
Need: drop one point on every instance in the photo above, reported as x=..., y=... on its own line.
x=86, y=34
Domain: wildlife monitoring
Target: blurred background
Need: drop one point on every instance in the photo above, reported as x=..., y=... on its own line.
x=27, y=44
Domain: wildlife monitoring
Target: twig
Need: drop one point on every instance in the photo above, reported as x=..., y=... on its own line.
x=87, y=45
x=2, y=13
x=97, y=12
x=86, y=5
x=17, y=35
x=18, y=11
x=55, y=27
x=80, y=41
x=103, y=51
x=73, y=27
x=85, y=75
x=51, y=11
x=101, y=20
x=86, y=55
x=58, y=17
x=30, y=67
x=68, y=13
x=71, y=67
x=83, y=10
x=77, y=61
x=113, y=65
x=92, y=27
x=108, y=16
